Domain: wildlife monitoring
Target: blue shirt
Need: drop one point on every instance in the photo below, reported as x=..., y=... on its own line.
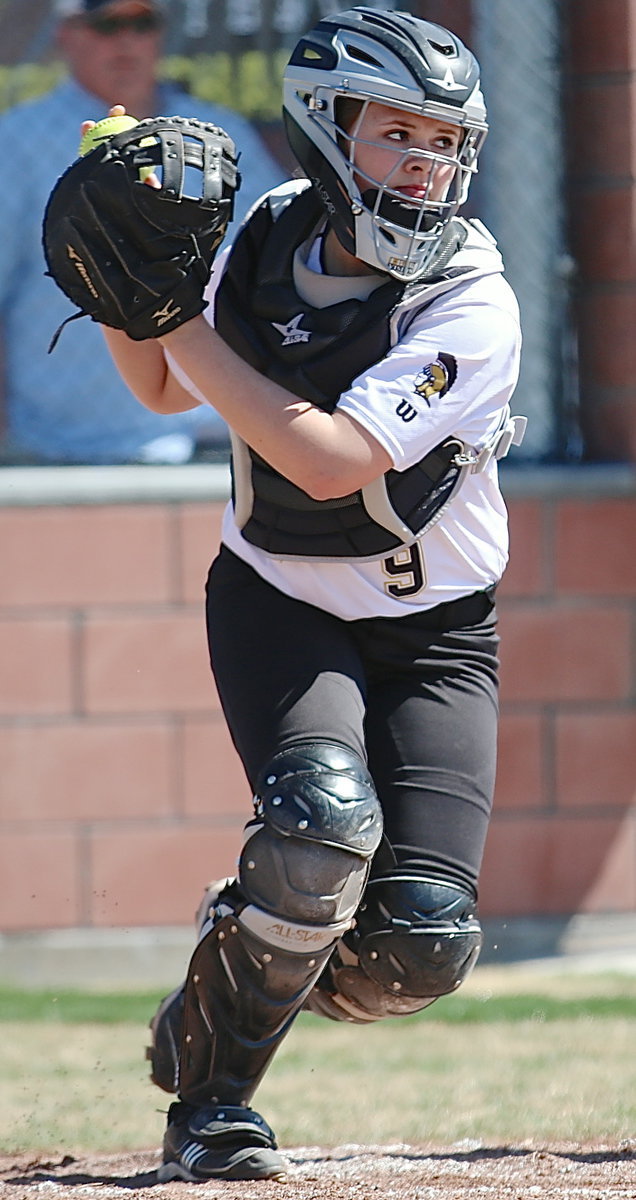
x=71, y=406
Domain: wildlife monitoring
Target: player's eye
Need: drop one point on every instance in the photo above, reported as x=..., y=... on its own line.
x=447, y=143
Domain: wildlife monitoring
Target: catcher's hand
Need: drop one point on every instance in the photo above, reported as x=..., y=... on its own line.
x=134, y=256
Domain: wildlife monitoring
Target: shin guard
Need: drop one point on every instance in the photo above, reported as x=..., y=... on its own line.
x=302, y=872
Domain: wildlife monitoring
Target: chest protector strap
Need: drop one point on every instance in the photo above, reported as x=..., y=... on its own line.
x=316, y=353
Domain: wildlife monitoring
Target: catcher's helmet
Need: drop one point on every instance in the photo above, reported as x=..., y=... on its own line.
x=395, y=59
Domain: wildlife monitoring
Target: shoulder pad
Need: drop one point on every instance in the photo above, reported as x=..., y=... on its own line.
x=281, y=196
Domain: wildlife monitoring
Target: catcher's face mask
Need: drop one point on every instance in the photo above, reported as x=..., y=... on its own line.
x=401, y=63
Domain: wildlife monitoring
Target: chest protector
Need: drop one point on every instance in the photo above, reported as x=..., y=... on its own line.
x=316, y=353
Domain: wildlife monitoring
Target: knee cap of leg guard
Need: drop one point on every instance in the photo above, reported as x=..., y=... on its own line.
x=323, y=792
x=417, y=936
x=414, y=940
x=318, y=823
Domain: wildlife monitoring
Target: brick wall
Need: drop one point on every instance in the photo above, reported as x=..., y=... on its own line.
x=120, y=793
x=563, y=839
x=600, y=44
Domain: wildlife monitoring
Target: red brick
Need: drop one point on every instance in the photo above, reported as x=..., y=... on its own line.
x=606, y=324
x=608, y=422
x=156, y=876
x=520, y=769
x=85, y=555
x=602, y=35
x=214, y=781
x=565, y=653
x=595, y=543
x=604, y=243
x=528, y=572
x=40, y=883
x=540, y=866
x=200, y=538
x=35, y=667
x=601, y=131
x=86, y=772
x=596, y=760
x=614, y=888
x=147, y=663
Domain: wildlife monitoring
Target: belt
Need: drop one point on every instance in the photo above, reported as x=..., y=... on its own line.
x=468, y=610
x=454, y=614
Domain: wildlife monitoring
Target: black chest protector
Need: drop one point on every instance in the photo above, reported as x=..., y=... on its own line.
x=316, y=353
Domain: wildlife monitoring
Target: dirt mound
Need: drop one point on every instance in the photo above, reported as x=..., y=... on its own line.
x=466, y=1169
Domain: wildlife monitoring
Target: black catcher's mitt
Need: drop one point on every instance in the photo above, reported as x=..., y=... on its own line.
x=133, y=256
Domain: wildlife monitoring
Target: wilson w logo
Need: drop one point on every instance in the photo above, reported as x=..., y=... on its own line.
x=405, y=411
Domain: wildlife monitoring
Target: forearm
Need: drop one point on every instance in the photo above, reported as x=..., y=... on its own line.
x=327, y=454
x=142, y=366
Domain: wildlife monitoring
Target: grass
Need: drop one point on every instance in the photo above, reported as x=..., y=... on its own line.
x=56, y=1006
x=512, y=1058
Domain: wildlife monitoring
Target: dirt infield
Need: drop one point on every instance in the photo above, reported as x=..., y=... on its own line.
x=562, y=1171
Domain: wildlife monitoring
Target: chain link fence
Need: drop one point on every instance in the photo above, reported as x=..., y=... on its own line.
x=232, y=53
x=521, y=196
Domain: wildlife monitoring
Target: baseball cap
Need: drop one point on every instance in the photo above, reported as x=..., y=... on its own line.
x=85, y=8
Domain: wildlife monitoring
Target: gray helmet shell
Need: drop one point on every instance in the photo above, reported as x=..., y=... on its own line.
x=404, y=62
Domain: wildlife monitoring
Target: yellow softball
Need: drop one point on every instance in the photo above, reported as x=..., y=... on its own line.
x=103, y=130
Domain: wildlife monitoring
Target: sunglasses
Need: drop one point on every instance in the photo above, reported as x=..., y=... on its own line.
x=109, y=26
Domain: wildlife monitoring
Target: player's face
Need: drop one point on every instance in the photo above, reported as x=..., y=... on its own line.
x=110, y=52
x=387, y=147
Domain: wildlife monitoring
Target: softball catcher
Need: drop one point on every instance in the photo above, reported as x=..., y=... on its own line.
x=362, y=344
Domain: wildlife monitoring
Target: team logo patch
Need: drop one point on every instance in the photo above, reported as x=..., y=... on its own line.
x=436, y=378
x=291, y=333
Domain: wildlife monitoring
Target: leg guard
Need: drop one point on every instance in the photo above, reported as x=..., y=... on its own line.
x=302, y=873
x=167, y=1024
x=415, y=939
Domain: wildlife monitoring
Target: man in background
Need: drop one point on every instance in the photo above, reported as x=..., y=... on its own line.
x=71, y=406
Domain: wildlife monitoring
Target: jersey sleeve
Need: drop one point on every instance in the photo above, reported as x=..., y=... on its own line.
x=452, y=373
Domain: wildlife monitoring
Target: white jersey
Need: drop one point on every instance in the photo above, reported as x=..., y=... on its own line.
x=468, y=335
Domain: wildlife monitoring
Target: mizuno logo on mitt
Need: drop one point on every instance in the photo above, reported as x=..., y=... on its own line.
x=166, y=313
x=82, y=270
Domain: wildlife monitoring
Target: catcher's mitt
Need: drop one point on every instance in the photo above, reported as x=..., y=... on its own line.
x=130, y=255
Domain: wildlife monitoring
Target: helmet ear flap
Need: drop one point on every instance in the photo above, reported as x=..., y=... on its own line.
x=326, y=181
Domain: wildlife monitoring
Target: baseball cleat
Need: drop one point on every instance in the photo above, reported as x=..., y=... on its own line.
x=218, y=1141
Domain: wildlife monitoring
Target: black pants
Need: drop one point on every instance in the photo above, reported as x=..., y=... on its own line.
x=415, y=696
